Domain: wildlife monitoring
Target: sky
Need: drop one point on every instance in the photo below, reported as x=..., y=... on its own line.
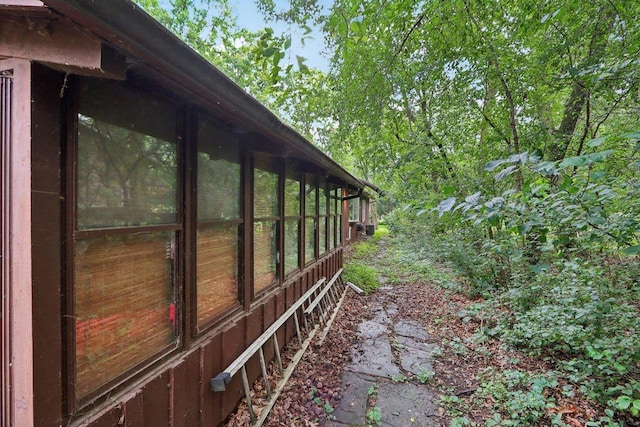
x=250, y=17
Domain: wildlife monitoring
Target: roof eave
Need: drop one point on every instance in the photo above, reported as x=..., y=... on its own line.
x=127, y=26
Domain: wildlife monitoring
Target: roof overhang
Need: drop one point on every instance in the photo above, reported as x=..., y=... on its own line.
x=118, y=36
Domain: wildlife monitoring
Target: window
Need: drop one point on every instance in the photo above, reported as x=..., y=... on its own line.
x=266, y=220
x=126, y=228
x=339, y=216
x=219, y=185
x=292, y=212
x=323, y=216
x=310, y=218
x=354, y=208
x=334, y=217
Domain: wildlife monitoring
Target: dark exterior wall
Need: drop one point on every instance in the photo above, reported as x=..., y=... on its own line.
x=178, y=392
x=174, y=392
x=47, y=245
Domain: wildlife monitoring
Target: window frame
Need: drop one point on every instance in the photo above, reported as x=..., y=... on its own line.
x=199, y=329
x=292, y=173
x=323, y=218
x=312, y=181
x=74, y=235
x=275, y=166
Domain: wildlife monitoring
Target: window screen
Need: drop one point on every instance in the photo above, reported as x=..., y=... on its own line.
x=219, y=192
x=311, y=218
x=266, y=220
x=126, y=166
x=292, y=211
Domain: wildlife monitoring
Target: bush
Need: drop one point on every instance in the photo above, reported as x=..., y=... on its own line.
x=574, y=313
x=362, y=276
x=363, y=250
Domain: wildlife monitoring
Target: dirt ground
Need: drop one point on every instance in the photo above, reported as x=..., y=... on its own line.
x=315, y=388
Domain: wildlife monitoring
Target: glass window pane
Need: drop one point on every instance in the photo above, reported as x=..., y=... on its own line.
x=127, y=157
x=322, y=244
x=124, y=178
x=309, y=239
x=265, y=194
x=354, y=208
x=332, y=232
x=310, y=192
x=291, y=245
x=124, y=305
x=291, y=197
x=264, y=254
x=322, y=197
x=217, y=270
x=339, y=233
x=219, y=174
x=333, y=202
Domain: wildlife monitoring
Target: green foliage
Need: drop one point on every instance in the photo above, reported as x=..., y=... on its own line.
x=363, y=250
x=569, y=302
x=372, y=391
x=460, y=422
x=425, y=375
x=361, y=275
x=374, y=416
x=398, y=378
x=518, y=397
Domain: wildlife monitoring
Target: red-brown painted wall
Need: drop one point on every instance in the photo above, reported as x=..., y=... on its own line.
x=174, y=392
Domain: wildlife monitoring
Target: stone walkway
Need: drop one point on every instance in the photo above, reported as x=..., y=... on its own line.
x=391, y=363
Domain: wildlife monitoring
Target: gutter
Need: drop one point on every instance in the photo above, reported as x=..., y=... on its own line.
x=127, y=26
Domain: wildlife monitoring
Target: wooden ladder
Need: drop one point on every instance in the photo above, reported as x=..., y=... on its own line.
x=317, y=307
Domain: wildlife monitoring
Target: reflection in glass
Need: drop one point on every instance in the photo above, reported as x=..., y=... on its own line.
x=291, y=245
x=322, y=234
x=354, y=207
x=125, y=177
x=309, y=239
x=218, y=188
x=265, y=194
x=291, y=197
x=310, y=192
x=322, y=197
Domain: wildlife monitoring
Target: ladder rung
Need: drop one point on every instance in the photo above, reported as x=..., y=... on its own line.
x=265, y=376
x=247, y=393
x=320, y=296
x=221, y=380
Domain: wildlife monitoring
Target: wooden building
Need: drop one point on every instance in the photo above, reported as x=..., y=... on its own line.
x=156, y=219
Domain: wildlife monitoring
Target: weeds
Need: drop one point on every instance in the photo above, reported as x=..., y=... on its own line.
x=374, y=416
x=560, y=300
x=425, y=375
x=361, y=275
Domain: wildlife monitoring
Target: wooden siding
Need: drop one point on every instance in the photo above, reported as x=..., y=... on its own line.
x=177, y=393
x=175, y=390
x=16, y=274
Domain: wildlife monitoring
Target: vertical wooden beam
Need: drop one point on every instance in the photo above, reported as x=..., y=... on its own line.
x=69, y=148
x=17, y=326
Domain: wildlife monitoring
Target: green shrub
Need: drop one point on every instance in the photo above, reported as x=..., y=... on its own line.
x=363, y=250
x=362, y=276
